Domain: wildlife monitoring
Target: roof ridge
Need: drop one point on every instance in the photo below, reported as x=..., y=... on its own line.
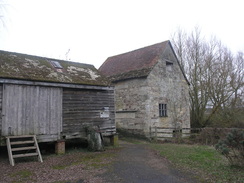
x=142, y=58
x=139, y=49
x=48, y=58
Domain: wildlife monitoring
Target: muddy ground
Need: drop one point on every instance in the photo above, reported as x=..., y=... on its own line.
x=128, y=163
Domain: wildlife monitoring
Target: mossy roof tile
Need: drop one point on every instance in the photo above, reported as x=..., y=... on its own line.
x=35, y=68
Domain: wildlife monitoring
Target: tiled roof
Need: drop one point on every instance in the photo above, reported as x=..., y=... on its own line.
x=28, y=67
x=137, y=63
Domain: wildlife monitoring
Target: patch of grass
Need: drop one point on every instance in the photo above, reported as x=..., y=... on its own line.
x=22, y=176
x=96, y=160
x=205, y=161
x=133, y=140
x=89, y=160
x=60, y=167
x=96, y=165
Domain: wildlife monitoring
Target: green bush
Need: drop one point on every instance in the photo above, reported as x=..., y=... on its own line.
x=232, y=147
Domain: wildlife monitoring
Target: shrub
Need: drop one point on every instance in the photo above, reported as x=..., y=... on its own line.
x=209, y=136
x=232, y=147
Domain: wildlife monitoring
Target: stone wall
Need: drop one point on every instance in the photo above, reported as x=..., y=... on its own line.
x=137, y=100
x=167, y=85
x=131, y=99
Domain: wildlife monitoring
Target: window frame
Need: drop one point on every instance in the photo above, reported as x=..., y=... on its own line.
x=56, y=64
x=162, y=110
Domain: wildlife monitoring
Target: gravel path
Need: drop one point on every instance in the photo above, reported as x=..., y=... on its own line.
x=136, y=163
x=130, y=163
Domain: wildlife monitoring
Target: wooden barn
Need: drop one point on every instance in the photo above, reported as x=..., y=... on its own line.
x=52, y=99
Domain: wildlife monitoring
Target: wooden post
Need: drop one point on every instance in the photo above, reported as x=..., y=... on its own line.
x=150, y=132
x=114, y=140
x=60, y=147
x=37, y=149
x=10, y=155
x=156, y=134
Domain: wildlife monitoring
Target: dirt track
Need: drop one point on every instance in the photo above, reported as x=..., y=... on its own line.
x=130, y=163
x=136, y=163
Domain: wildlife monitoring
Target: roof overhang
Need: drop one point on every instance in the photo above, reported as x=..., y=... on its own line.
x=53, y=84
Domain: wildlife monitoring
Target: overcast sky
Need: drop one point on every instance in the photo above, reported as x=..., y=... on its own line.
x=95, y=29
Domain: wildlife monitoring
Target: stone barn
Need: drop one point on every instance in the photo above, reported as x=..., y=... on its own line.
x=52, y=99
x=151, y=91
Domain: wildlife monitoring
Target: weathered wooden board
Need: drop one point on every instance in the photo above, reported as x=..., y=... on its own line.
x=1, y=97
x=87, y=107
x=31, y=110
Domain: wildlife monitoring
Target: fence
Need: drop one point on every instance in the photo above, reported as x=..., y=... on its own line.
x=207, y=135
x=162, y=132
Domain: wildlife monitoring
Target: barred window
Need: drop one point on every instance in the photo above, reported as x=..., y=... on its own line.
x=162, y=110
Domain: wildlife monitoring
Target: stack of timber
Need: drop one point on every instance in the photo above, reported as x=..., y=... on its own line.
x=106, y=131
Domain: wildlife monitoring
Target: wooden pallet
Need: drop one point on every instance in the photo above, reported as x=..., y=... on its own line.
x=22, y=146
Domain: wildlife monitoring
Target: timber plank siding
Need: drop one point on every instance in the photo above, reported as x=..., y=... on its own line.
x=85, y=107
x=39, y=98
x=1, y=99
x=31, y=110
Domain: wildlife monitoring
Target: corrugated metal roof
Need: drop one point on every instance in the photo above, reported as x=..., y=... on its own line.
x=137, y=63
x=35, y=68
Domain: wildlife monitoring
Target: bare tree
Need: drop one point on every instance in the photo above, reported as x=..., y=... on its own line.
x=2, y=12
x=215, y=75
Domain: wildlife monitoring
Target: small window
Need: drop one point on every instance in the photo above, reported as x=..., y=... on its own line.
x=169, y=63
x=169, y=66
x=56, y=64
x=162, y=110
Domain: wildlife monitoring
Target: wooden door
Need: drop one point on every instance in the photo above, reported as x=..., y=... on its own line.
x=31, y=110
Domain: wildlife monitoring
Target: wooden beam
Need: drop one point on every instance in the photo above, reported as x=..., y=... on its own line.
x=61, y=85
x=11, y=160
x=24, y=155
x=23, y=148
x=22, y=142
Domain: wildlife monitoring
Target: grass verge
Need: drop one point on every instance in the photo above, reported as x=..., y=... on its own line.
x=21, y=176
x=203, y=161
